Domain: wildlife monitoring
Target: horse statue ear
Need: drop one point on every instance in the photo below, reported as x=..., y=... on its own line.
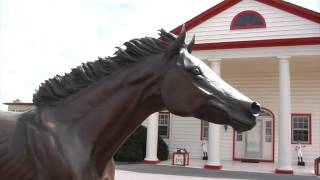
x=191, y=43
x=175, y=47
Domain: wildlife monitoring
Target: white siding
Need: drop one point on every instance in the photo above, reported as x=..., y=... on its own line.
x=306, y=99
x=262, y=87
x=305, y=94
x=280, y=25
x=226, y=143
x=259, y=78
x=185, y=133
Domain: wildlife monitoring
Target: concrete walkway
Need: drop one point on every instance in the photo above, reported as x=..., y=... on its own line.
x=156, y=172
x=126, y=175
x=261, y=167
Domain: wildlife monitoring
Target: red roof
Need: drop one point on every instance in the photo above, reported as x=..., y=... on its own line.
x=280, y=4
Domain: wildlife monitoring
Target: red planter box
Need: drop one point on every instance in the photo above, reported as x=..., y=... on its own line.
x=181, y=159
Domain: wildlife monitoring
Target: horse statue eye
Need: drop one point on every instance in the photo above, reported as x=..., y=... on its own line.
x=196, y=70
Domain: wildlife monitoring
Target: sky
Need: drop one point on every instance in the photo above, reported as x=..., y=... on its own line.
x=42, y=38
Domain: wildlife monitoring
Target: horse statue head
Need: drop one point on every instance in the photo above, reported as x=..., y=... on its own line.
x=190, y=88
x=82, y=118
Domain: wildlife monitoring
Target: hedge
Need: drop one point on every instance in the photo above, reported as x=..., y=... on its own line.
x=134, y=149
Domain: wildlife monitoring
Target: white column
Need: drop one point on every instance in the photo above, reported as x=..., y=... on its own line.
x=214, y=131
x=152, y=139
x=284, y=130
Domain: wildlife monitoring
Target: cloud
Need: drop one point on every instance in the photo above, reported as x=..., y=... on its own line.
x=42, y=38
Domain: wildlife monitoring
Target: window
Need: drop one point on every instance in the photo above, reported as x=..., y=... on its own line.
x=301, y=128
x=164, y=124
x=248, y=20
x=239, y=136
x=204, y=130
x=268, y=136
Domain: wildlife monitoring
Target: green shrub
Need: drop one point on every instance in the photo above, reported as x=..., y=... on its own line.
x=134, y=149
x=163, y=152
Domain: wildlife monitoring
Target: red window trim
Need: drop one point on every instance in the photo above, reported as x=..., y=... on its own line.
x=167, y=113
x=309, y=128
x=201, y=131
x=233, y=25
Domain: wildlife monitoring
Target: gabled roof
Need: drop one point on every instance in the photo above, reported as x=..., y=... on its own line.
x=280, y=4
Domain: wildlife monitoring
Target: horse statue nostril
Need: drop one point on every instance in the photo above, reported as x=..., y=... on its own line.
x=255, y=108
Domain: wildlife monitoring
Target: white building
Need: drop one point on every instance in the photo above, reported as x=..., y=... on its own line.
x=18, y=106
x=270, y=51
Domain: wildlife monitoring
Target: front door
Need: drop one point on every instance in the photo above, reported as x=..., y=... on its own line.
x=253, y=141
x=258, y=143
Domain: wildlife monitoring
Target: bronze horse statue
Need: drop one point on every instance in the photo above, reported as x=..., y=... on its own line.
x=82, y=118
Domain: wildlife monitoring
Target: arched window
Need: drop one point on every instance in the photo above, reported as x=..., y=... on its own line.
x=248, y=20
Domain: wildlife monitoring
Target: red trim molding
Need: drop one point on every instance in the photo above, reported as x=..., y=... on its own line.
x=150, y=162
x=293, y=9
x=273, y=142
x=212, y=167
x=273, y=132
x=309, y=128
x=233, y=25
x=280, y=4
x=258, y=43
x=206, y=15
x=279, y=171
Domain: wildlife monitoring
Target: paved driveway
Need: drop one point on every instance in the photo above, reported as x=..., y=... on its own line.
x=128, y=175
x=155, y=172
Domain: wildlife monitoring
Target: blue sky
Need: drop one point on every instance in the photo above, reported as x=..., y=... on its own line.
x=42, y=38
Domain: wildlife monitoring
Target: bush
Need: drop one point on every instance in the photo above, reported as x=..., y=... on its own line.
x=134, y=149
x=163, y=152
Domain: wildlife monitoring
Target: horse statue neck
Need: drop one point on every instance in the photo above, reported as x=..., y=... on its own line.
x=99, y=118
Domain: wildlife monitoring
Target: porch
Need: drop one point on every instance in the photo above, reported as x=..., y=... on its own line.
x=285, y=80
x=261, y=167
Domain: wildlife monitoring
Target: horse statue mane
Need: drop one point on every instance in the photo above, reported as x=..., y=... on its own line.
x=82, y=118
x=60, y=87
